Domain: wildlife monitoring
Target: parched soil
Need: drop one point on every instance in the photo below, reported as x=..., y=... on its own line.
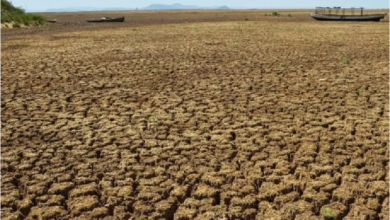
x=70, y=21
x=226, y=120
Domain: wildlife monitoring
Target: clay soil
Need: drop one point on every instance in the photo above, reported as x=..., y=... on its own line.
x=250, y=117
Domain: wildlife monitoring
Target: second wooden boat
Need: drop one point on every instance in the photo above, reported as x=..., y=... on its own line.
x=108, y=19
x=51, y=20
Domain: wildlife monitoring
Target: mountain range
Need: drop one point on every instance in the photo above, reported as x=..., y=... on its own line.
x=150, y=7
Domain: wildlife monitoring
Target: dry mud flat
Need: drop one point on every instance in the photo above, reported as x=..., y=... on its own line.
x=70, y=21
x=235, y=120
x=78, y=20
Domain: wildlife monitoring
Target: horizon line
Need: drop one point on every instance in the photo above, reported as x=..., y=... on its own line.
x=200, y=8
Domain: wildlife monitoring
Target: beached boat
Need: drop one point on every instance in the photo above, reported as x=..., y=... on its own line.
x=51, y=20
x=325, y=14
x=108, y=19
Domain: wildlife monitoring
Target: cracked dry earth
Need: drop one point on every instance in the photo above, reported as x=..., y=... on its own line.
x=251, y=120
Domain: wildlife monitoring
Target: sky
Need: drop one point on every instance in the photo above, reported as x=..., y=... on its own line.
x=43, y=5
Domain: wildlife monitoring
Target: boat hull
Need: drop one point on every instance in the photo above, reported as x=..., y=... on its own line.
x=121, y=19
x=376, y=17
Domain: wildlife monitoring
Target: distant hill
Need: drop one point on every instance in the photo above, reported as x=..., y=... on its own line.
x=150, y=7
x=169, y=7
x=224, y=7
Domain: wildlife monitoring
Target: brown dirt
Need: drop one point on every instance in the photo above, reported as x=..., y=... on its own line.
x=70, y=21
x=256, y=119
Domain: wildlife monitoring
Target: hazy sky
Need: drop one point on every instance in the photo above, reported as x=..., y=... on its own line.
x=42, y=5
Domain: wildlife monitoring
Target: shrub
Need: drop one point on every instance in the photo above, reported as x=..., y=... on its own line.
x=16, y=25
x=383, y=46
x=10, y=13
x=273, y=14
x=27, y=18
x=7, y=7
x=5, y=18
x=345, y=60
x=152, y=123
x=357, y=93
x=327, y=212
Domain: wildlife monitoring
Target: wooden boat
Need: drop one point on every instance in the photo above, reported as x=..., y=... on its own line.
x=52, y=20
x=108, y=19
x=325, y=14
x=327, y=17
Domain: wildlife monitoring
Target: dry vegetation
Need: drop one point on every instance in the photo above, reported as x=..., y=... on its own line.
x=230, y=120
